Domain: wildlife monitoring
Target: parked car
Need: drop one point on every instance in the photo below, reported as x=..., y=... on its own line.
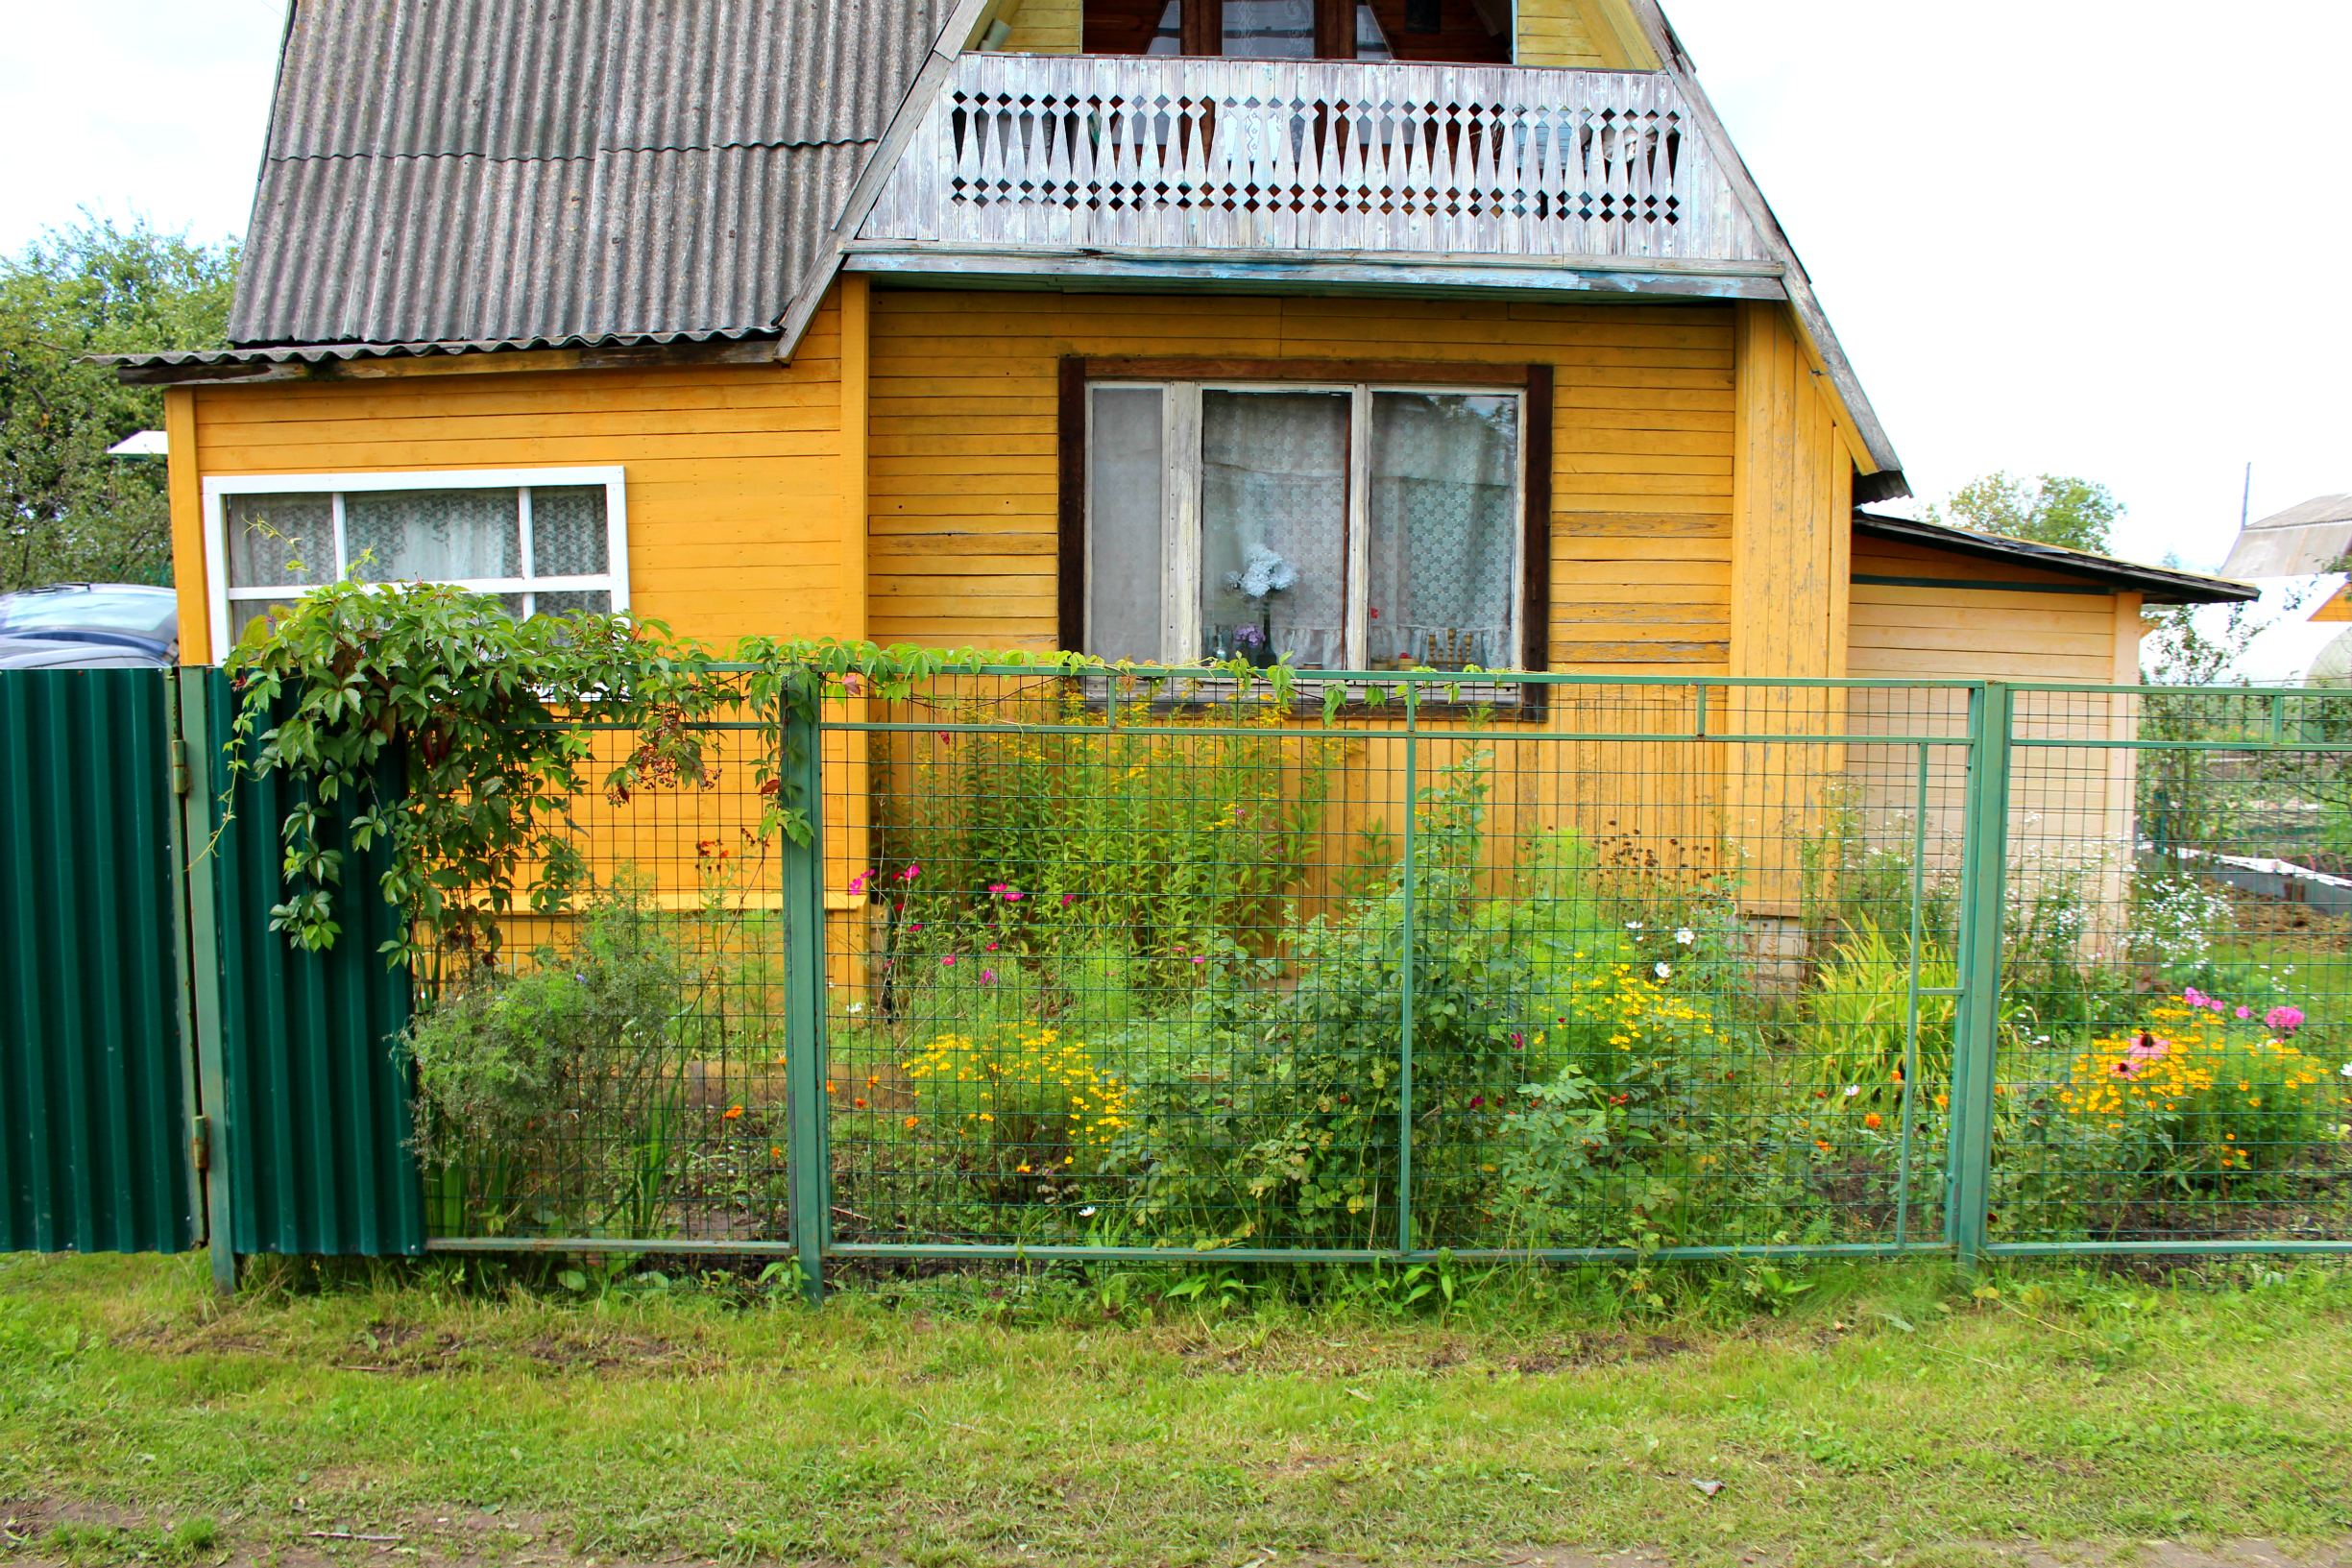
x=132, y=617
x=58, y=653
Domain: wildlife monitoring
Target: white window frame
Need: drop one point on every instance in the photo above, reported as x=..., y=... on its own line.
x=614, y=579
x=1181, y=501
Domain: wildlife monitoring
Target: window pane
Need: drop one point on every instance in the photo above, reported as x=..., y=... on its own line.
x=1126, y=556
x=586, y=601
x=1269, y=28
x=1168, y=38
x=567, y=531
x=442, y=536
x=280, y=540
x=1445, y=530
x=1273, y=525
x=245, y=612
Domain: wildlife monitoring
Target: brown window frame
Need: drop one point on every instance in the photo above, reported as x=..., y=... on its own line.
x=1079, y=373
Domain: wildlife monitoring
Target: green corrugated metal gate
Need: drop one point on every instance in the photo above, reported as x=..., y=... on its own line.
x=172, y=1072
x=95, y=1089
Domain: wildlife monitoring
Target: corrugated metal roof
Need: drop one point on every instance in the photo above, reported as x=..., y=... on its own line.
x=2304, y=539
x=542, y=171
x=2161, y=585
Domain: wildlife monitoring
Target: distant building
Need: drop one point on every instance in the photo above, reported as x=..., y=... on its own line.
x=2297, y=558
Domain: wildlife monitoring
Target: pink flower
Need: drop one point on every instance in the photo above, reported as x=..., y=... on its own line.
x=1012, y=895
x=2193, y=997
x=913, y=871
x=997, y=888
x=993, y=946
x=1477, y=1100
x=1068, y=899
x=1199, y=958
x=987, y=977
x=2147, y=1047
x=948, y=962
x=856, y=883
x=2285, y=1020
x=2246, y=1012
x=914, y=926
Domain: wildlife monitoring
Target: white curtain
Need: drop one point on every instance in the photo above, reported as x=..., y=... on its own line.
x=1126, y=556
x=1445, y=526
x=433, y=535
x=1275, y=477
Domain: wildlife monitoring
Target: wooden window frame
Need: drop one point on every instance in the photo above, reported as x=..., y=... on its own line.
x=1533, y=383
x=219, y=488
x=1201, y=27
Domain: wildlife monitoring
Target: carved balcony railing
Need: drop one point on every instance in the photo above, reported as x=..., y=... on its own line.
x=1086, y=152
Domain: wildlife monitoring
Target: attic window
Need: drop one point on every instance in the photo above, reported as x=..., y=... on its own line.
x=545, y=541
x=1369, y=30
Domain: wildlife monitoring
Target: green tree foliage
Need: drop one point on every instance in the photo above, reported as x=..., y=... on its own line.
x=2055, y=508
x=68, y=510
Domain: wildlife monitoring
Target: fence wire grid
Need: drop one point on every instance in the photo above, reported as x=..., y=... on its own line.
x=1541, y=966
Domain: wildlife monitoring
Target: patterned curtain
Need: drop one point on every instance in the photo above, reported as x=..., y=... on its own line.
x=1274, y=478
x=1444, y=525
x=433, y=535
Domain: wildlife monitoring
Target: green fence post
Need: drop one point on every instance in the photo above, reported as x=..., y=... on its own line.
x=802, y=774
x=201, y=956
x=1976, y=1049
x=1404, y=975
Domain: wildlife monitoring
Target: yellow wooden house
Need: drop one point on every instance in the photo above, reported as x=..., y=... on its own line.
x=1040, y=324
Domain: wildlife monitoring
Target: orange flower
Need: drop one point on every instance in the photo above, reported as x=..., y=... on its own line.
x=733, y=1113
x=1874, y=1122
x=1822, y=1144
x=832, y=1088
x=909, y=1124
x=859, y=1102
x=774, y=1152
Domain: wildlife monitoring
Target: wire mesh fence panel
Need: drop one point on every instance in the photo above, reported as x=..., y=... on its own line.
x=1531, y=966
x=2176, y=1009
x=605, y=1058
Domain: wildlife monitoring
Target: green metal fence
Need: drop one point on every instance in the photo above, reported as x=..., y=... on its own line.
x=1539, y=967
x=1160, y=965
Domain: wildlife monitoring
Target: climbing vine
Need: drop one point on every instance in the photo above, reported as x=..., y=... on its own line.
x=460, y=738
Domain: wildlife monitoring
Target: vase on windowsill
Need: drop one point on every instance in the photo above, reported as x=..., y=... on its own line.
x=1256, y=644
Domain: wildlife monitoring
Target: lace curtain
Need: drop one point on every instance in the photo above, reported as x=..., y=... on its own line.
x=1444, y=520
x=1275, y=477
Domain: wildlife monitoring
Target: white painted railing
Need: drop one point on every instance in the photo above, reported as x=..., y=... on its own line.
x=1122, y=152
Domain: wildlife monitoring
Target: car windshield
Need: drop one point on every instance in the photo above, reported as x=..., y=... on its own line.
x=133, y=612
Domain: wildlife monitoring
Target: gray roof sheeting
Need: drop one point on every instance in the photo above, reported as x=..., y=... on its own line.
x=2296, y=542
x=562, y=170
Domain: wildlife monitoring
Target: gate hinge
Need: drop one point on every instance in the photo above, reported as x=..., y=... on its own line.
x=183, y=768
x=200, y=1144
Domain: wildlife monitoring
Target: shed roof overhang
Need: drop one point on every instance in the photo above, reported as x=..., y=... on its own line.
x=2158, y=584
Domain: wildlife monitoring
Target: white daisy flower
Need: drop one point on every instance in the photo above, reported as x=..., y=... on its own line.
x=1686, y=936
x=1853, y=1088
x=1666, y=972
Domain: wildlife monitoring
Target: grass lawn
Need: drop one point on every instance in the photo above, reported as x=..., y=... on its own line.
x=1885, y=1414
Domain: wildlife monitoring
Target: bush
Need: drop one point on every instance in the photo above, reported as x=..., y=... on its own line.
x=1133, y=834
x=551, y=1097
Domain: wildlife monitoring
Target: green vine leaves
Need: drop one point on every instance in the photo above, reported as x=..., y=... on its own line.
x=427, y=719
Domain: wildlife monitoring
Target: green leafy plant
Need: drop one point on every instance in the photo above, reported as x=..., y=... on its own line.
x=553, y=1098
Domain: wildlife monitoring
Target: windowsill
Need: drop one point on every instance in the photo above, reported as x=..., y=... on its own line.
x=1370, y=701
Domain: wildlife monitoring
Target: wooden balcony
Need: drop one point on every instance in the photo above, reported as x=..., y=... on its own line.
x=1287, y=162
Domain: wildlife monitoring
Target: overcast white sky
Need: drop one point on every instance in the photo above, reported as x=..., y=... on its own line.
x=2069, y=235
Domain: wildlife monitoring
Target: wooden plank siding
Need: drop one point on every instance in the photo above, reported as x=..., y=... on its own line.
x=745, y=497
x=1581, y=35
x=2070, y=812
x=1043, y=26
x=965, y=493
